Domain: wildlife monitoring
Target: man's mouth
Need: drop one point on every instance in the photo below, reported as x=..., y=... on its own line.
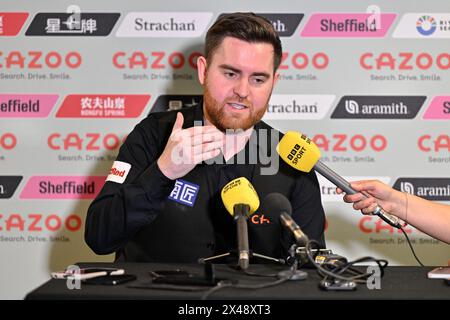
x=237, y=106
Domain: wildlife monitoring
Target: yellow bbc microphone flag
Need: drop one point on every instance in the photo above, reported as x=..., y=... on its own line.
x=298, y=151
x=239, y=191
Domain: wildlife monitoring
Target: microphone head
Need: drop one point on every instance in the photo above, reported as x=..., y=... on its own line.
x=239, y=191
x=276, y=202
x=298, y=151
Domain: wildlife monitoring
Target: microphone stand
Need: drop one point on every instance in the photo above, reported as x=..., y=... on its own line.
x=244, y=254
x=293, y=273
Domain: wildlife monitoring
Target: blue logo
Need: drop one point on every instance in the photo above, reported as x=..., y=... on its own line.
x=184, y=192
x=426, y=25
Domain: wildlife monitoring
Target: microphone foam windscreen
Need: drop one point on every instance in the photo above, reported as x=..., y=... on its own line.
x=239, y=191
x=298, y=151
x=276, y=203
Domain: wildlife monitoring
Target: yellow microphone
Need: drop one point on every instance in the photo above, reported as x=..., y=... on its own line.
x=302, y=154
x=241, y=200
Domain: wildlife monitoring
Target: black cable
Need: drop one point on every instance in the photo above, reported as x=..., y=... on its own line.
x=337, y=271
x=242, y=286
x=411, y=247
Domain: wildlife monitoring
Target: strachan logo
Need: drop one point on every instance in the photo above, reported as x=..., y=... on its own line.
x=378, y=107
x=164, y=24
x=423, y=25
x=436, y=189
x=290, y=107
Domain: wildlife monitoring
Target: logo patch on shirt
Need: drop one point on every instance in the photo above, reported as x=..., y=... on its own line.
x=118, y=172
x=184, y=192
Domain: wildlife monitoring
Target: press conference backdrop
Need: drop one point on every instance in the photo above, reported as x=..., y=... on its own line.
x=368, y=80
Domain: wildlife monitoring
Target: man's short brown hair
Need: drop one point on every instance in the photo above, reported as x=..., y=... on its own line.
x=245, y=26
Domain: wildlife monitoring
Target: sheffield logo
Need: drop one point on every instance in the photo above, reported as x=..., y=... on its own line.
x=72, y=24
x=164, y=24
x=8, y=185
x=423, y=25
x=103, y=106
x=439, y=109
x=62, y=187
x=435, y=189
x=170, y=102
x=305, y=107
x=11, y=23
x=348, y=25
x=184, y=192
x=26, y=105
x=378, y=107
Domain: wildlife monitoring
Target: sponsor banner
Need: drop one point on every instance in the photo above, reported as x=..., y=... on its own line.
x=378, y=107
x=169, y=102
x=8, y=185
x=348, y=25
x=72, y=24
x=301, y=106
x=423, y=25
x=439, y=109
x=26, y=105
x=103, y=106
x=435, y=189
x=284, y=23
x=164, y=24
x=62, y=187
x=11, y=23
x=328, y=189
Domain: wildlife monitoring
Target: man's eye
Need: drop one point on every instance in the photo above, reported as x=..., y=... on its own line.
x=259, y=80
x=230, y=74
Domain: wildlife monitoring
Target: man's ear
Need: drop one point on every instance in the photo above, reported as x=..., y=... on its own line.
x=275, y=78
x=201, y=69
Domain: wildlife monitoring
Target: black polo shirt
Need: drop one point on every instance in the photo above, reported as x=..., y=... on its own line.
x=151, y=218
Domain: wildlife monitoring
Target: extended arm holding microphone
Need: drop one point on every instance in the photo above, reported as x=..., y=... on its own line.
x=302, y=154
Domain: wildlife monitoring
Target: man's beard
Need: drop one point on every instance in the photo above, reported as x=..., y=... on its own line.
x=214, y=112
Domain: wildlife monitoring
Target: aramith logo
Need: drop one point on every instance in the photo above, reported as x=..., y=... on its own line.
x=8, y=185
x=378, y=107
x=437, y=189
x=11, y=22
x=423, y=25
x=169, y=102
x=284, y=23
x=290, y=107
x=72, y=24
x=164, y=24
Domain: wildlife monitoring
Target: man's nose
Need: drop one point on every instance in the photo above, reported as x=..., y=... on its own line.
x=241, y=88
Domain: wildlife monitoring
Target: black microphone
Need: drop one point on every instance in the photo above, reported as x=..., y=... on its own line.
x=279, y=203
